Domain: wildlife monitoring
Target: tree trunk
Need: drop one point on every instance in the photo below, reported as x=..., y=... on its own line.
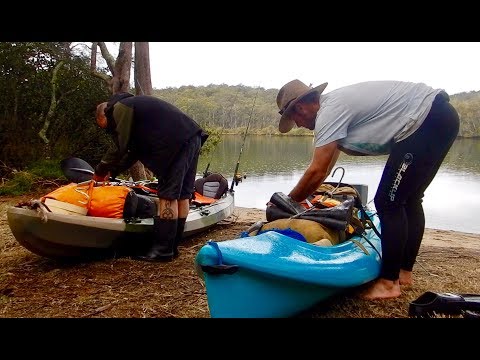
x=51, y=111
x=121, y=73
x=119, y=68
x=143, y=79
x=93, y=57
x=143, y=86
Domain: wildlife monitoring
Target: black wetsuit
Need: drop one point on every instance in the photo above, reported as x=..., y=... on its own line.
x=410, y=168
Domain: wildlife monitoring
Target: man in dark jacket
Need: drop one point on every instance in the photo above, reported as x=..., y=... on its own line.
x=166, y=141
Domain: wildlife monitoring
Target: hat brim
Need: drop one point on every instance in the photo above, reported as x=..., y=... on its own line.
x=286, y=123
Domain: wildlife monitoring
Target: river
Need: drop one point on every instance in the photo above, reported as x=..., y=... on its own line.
x=273, y=163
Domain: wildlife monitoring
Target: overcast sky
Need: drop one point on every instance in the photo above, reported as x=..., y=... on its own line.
x=453, y=66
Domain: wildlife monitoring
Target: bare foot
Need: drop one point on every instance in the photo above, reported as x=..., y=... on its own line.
x=406, y=278
x=382, y=289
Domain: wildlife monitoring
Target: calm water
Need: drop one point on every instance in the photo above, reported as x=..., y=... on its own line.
x=271, y=164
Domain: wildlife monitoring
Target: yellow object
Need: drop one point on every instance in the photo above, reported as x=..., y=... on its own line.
x=310, y=230
x=350, y=229
x=331, y=202
x=325, y=201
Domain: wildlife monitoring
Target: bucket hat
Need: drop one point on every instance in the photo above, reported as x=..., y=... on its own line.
x=288, y=96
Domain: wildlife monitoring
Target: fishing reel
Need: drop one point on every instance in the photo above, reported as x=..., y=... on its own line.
x=238, y=178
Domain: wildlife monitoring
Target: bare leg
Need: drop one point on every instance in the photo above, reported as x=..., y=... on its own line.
x=168, y=209
x=382, y=289
x=406, y=278
x=183, y=208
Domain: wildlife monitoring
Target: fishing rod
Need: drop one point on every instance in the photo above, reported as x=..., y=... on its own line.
x=236, y=177
x=205, y=173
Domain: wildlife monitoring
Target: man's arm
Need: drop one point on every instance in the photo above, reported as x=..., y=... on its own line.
x=323, y=161
x=117, y=157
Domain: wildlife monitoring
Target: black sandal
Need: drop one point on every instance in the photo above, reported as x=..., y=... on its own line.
x=445, y=303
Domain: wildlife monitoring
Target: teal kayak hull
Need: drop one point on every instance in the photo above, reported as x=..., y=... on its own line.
x=275, y=275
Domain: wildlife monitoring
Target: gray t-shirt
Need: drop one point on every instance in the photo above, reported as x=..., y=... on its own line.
x=369, y=117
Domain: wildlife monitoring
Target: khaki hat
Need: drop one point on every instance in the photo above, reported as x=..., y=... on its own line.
x=288, y=96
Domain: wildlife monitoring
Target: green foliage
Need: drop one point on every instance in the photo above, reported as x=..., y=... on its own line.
x=214, y=138
x=268, y=130
x=46, y=169
x=21, y=183
x=39, y=174
x=226, y=107
x=468, y=107
x=299, y=132
x=26, y=71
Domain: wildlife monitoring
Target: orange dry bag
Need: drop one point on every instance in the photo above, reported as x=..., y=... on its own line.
x=108, y=201
x=104, y=201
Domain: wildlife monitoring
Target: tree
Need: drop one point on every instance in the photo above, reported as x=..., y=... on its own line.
x=46, y=96
x=120, y=79
x=142, y=76
x=143, y=86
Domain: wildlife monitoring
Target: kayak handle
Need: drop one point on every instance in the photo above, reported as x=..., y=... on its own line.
x=220, y=268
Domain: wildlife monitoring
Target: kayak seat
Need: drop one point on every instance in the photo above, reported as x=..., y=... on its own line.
x=209, y=188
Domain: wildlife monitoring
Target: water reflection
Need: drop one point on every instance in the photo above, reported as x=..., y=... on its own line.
x=272, y=164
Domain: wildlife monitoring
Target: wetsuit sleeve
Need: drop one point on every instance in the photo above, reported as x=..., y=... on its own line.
x=118, y=158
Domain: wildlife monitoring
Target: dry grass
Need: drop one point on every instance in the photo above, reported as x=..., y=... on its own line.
x=36, y=287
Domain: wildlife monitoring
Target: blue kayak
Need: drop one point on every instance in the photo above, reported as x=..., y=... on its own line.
x=275, y=275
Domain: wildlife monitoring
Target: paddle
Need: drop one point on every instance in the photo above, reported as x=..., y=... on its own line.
x=76, y=170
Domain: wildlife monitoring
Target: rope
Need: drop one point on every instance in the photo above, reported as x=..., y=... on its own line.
x=40, y=207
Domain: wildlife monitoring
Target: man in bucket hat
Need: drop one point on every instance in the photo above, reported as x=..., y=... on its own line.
x=412, y=122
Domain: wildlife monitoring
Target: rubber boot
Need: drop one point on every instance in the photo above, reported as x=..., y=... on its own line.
x=164, y=232
x=179, y=236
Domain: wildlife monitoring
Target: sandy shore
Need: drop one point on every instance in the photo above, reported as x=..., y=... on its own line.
x=36, y=287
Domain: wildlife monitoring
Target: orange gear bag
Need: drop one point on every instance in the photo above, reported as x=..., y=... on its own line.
x=108, y=200
x=71, y=193
x=102, y=201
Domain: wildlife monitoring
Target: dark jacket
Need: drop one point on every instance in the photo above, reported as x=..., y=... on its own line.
x=148, y=129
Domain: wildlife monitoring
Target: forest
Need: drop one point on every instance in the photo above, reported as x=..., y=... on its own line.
x=48, y=96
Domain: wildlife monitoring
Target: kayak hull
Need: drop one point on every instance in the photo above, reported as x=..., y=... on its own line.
x=275, y=275
x=64, y=236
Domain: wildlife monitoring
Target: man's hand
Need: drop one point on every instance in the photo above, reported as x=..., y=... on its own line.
x=99, y=178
